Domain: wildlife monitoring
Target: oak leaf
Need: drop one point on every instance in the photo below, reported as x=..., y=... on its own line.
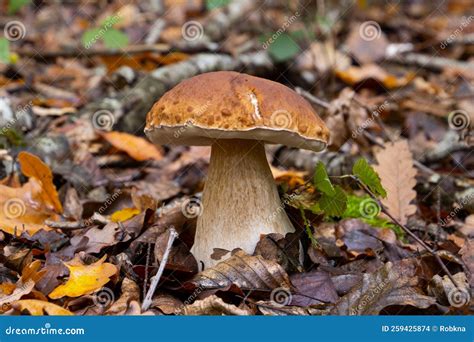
x=40, y=308
x=136, y=147
x=397, y=173
x=84, y=279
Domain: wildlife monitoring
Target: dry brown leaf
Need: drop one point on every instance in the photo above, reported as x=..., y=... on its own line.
x=40, y=308
x=22, y=209
x=33, y=167
x=215, y=306
x=130, y=292
x=136, y=147
x=397, y=173
x=246, y=271
x=84, y=279
x=392, y=284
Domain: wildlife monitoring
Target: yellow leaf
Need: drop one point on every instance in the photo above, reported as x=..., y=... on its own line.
x=124, y=214
x=84, y=279
x=33, y=167
x=39, y=308
x=136, y=147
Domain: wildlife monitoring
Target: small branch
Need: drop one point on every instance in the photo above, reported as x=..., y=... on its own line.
x=406, y=229
x=148, y=299
x=429, y=62
x=312, y=98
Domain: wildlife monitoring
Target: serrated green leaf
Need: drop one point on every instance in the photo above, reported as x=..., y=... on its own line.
x=115, y=39
x=282, y=48
x=90, y=37
x=15, y=5
x=212, y=4
x=369, y=177
x=4, y=50
x=321, y=180
x=334, y=205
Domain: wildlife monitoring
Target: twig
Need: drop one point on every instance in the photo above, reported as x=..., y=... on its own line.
x=429, y=62
x=133, y=49
x=147, y=265
x=312, y=98
x=66, y=225
x=405, y=228
x=148, y=298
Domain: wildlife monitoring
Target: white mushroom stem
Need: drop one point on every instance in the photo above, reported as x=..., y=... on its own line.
x=240, y=201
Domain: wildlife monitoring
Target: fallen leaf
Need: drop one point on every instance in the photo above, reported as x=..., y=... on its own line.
x=22, y=209
x=392, y=284
x=214, y=305
x=33, y=167
x=313, y=288
x=84, y=279
x=355, y=76
x=124, y=214
x=40, y=308
x=397, y=173
x=136, y=147
x=130, y=292
x=246, y=271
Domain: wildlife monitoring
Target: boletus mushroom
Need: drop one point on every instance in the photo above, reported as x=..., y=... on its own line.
x=236, y=114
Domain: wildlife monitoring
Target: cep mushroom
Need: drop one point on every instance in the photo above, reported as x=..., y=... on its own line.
x=236, y=114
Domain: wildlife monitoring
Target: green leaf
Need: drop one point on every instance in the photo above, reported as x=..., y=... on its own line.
x=212, y=4
x=334, y=205
x=369, y=177
x=321, y=180
x=282, y=47
x=90, y=37
x=4, y=50
x=15, y=5
x=115, y=39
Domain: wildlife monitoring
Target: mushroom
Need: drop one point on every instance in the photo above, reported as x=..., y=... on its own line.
x=236, y=114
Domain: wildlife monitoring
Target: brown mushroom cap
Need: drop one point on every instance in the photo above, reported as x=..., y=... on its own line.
x=230, y=105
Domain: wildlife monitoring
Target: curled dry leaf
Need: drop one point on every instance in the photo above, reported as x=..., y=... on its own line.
x=33, y=167
x=397, y=174
x=214, y=305
x=130, y=292
x=392, y=284
x=40, y=308
x=136, y=147
x=246, y=271
x=84, y=279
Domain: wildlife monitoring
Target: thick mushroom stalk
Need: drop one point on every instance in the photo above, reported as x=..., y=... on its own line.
x=240, y=201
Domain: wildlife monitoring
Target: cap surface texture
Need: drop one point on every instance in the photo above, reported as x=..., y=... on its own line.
x=230, y=105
